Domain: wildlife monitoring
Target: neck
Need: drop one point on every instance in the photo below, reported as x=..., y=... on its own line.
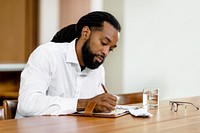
x=79, y=54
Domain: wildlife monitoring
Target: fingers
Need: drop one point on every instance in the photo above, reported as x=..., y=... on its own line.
x=112, y=102
x=105, y=102
x=106, y=108
x=112, y=97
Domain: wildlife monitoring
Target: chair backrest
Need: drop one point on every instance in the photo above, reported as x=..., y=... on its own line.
x=130, y=98
x=10, y=107
x=1, y=113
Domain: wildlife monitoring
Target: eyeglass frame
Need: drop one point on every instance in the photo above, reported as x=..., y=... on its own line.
x=180, y=103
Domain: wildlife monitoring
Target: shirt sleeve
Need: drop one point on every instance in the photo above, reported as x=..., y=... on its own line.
x=35, y=80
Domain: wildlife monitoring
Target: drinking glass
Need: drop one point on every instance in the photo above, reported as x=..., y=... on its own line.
x=150, y=98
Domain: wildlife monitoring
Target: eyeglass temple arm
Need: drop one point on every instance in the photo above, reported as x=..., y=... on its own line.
x=183, y=103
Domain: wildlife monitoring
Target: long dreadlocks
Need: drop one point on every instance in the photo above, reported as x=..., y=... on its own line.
x=93, y=20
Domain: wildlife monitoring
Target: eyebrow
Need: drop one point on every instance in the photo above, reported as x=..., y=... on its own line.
x=108, y=39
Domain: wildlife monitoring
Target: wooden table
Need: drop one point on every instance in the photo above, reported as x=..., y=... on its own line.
x=163, y=121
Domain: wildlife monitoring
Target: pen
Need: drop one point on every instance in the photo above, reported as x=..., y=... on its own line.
x=104, y=88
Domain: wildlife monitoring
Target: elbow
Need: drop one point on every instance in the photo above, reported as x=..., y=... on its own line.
x=25, y=107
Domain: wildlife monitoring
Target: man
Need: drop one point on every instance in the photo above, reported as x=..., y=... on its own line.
x=64, y=75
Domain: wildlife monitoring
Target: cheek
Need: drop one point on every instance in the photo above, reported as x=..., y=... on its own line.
x=95, y=43
x=95, y=47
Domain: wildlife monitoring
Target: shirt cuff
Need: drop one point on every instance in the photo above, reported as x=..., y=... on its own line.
x=68, y=106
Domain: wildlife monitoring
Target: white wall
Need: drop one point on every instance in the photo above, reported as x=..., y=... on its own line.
x=49, y=16
x=96, y=5
x=114, y=62
x=162, y=46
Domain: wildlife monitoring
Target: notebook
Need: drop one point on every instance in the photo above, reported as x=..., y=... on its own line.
x=113, y=114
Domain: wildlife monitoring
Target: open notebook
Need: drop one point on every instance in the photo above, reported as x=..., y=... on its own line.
x=120, y=110
x=115, y=113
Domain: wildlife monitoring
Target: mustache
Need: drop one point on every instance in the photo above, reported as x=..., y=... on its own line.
x=102, y=56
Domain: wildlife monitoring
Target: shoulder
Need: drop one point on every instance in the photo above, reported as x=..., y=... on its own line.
x=51, y=46
x=50, y=49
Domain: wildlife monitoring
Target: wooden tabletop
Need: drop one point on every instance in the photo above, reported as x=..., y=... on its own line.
x=163, y=121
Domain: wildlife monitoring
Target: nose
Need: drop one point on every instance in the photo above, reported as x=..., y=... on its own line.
x=106, y=50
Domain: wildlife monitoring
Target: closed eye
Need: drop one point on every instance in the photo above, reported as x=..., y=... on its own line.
x=104, y=44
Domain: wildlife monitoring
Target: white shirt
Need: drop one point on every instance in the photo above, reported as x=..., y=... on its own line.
x=52, y=81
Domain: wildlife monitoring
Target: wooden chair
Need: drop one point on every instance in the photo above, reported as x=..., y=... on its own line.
x=130, y=98
x=10, y=107
x=1, y=113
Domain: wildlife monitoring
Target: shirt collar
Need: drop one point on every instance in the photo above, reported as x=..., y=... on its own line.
x=71, y=56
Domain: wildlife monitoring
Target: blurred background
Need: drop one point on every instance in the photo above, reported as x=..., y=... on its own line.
x=159, y=44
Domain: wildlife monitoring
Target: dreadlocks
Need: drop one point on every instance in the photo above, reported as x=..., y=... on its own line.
x=93, y=20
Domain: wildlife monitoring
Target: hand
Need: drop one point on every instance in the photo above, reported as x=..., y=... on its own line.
x=105, y=102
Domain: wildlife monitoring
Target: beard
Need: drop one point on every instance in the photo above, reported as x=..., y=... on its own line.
x=88, y=56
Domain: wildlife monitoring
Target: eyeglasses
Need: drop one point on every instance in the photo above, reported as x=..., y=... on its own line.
x=174, y=105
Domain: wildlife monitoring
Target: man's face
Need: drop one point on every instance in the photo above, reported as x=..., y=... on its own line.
x=98, y=45
x=89, y=56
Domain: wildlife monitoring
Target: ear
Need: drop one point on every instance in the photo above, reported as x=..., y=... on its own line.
x=85, y=33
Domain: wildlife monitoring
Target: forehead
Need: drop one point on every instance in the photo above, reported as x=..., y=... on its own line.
x=107, y=33
x=110, y=33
